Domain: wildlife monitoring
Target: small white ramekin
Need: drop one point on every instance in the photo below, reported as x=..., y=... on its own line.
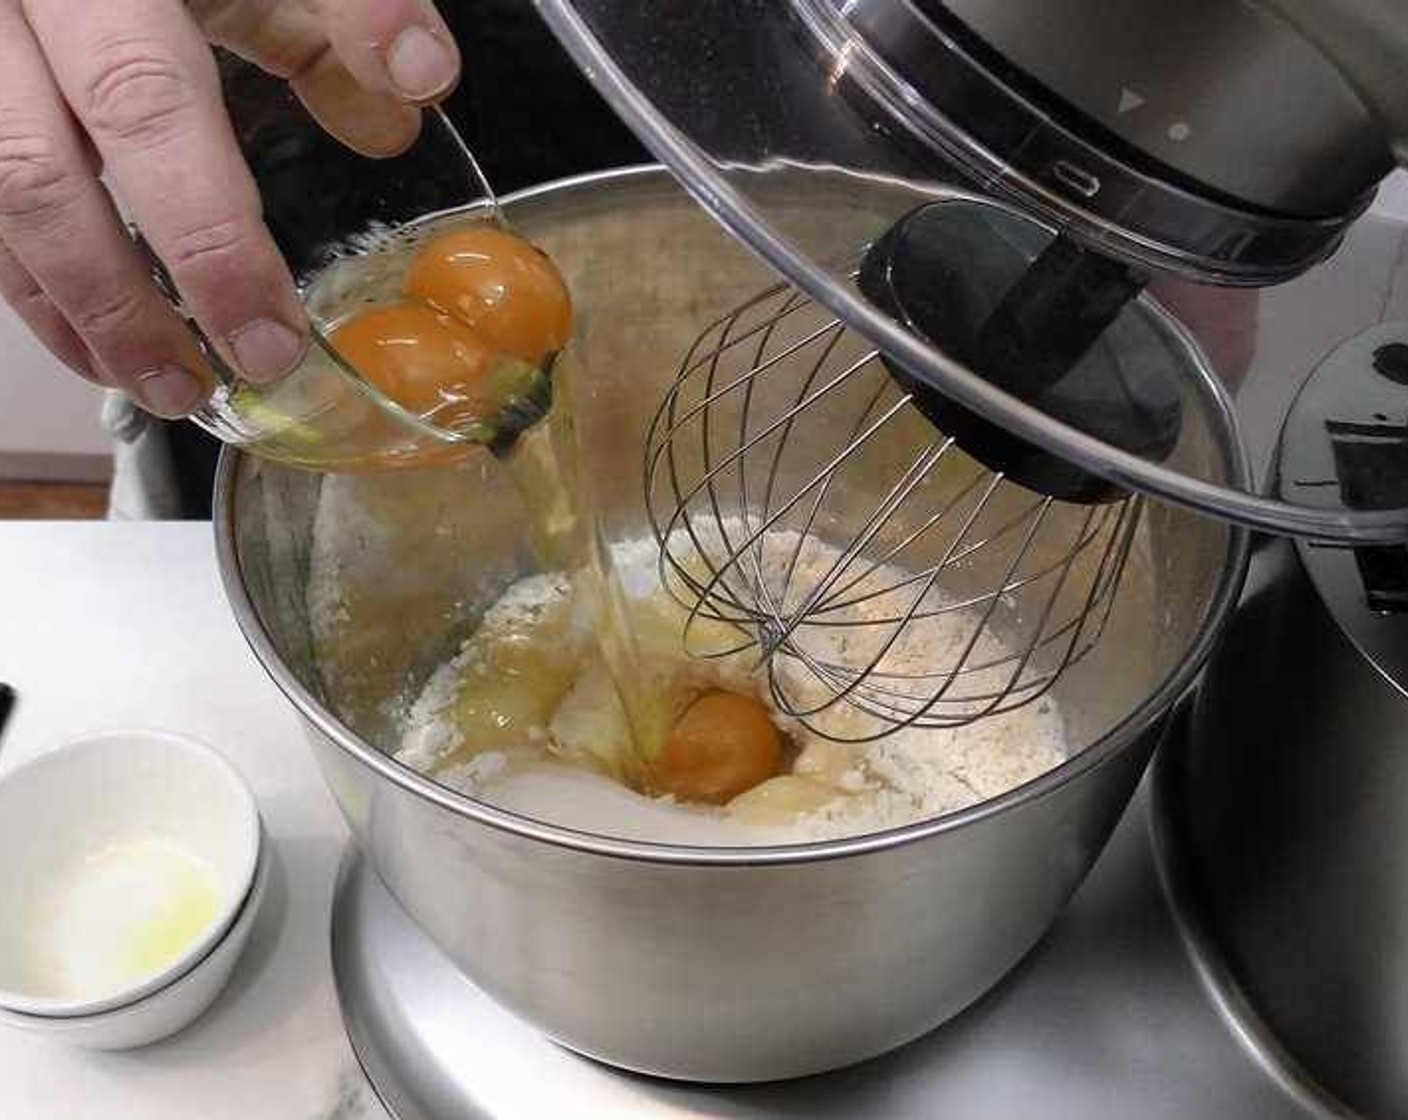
x=79, y=800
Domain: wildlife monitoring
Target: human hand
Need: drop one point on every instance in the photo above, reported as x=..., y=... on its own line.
x=128, y=89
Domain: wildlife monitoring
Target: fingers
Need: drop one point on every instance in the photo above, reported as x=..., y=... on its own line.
x=40, y=314
x=136, y=79
x=67, y=254
x=375, y=124
x=400, y=46
x=142, y=83
x=359, y=66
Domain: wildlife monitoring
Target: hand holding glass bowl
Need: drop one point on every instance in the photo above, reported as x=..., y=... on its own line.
x=434, y=327
x=122, y=100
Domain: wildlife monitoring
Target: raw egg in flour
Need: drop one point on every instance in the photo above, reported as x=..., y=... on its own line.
x=724, y=744
x=504, y=287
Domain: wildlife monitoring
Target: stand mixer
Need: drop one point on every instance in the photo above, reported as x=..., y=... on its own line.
x=1102, y=181
x=1223, y=142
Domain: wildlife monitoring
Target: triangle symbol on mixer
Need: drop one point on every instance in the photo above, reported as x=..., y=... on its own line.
x=1129, y=100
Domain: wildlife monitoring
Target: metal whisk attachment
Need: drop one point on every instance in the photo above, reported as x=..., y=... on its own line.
x=810, y=515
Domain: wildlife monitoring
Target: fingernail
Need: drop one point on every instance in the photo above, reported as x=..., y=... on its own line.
x=168, y=391
x=421, y=65
x=266, y=349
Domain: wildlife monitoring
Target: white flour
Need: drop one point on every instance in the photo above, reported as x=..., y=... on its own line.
x=430, y=732
x=837, y=789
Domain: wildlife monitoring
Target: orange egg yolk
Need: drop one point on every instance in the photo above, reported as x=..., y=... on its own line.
x=723, y=745
x=505, y=288
x=425, y=361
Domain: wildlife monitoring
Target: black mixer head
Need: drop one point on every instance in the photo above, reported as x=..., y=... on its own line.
x=1035, y=314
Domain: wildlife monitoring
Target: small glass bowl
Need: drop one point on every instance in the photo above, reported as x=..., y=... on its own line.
x=332, y=210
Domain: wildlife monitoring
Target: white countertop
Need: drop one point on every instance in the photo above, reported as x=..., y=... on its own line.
x=126, y=625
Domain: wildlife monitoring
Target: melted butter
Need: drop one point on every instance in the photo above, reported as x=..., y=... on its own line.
x=189, y=911
x=128, y=912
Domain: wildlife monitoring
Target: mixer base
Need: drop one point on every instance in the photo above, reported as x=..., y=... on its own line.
x=1107, y=1018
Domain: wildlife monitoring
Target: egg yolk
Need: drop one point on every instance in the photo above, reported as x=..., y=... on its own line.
x=425, y=361
x=508, y=290
x=723, y=745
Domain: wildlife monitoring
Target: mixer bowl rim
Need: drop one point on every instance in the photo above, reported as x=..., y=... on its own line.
x=1158, y=702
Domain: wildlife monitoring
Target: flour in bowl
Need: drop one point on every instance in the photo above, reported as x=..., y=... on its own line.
x=525, y=718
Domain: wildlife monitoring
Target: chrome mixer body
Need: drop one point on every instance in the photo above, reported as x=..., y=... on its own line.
x=1228, y=143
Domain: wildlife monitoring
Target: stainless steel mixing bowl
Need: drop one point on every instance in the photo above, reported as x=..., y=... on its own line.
x=708, y=964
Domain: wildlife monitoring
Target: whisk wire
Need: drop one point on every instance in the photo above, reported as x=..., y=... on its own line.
x=735, y=553
x=802, y=500
x=854, y=679
x=807, y=609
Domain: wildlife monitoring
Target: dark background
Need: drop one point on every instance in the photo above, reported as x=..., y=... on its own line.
x=523, y=106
